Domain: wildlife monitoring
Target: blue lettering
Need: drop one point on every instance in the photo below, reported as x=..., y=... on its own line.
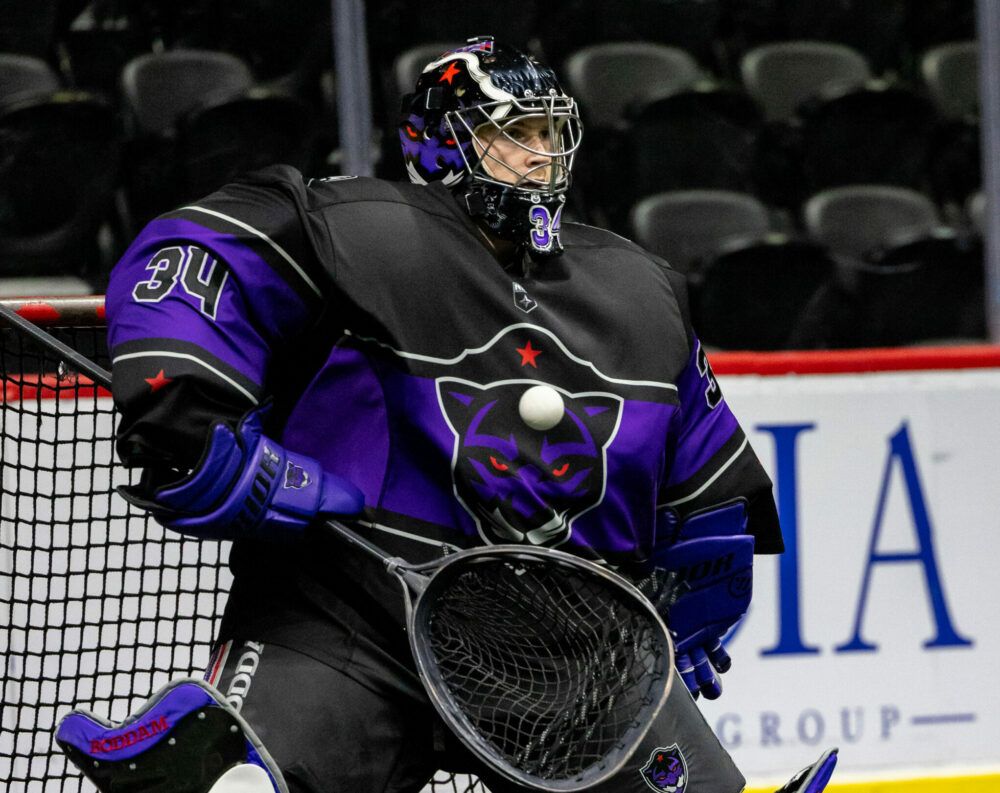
x=813, y=735
x=769, y=728
x=729, y=739
x=890, y=718
x=851, y=735
x=901, y=450
x=786, y=484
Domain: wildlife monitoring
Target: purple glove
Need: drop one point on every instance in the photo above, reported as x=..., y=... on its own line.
x=246, y=485
x=712, y=567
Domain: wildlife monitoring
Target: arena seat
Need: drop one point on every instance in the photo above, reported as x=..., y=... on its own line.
x=607, y=79
x=411, y=62
x=951, y=74
x=220, y=141
x=22, y=76
x=686, y=226
x=975, y=209
x=782, y=75
x=858, y=220
x=903, y=276
x=59, y=162
x=879, y=132
x=158, y=89
x=704, y=136
x=761, y=293
x=929, y=290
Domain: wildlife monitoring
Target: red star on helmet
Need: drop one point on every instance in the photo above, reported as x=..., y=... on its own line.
x=450, y=73
x=528, y=355
x=158, y=381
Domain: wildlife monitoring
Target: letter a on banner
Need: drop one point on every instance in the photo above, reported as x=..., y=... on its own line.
x=901, y=450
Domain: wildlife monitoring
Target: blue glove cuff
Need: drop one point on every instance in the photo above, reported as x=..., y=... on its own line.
x=247, y=485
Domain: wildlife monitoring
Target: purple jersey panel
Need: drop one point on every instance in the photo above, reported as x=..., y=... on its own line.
x=624, y=520
x=184, y=282
x=705, y=420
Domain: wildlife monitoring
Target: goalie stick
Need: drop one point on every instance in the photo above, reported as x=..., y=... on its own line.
x=548, y=667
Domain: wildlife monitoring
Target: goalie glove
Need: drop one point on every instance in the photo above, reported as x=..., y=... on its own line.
x=246, y=485
x=710, y=569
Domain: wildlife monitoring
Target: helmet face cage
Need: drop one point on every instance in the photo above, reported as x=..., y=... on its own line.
x=555, y=132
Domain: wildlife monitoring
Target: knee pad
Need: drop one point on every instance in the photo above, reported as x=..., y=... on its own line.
x=185, y=739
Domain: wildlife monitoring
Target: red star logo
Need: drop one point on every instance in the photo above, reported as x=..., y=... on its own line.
x=157, y=382
x=528, y=355
x=659, y=758
x=450, y=73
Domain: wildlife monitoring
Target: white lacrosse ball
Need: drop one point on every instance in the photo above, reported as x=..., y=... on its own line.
x=541, y=407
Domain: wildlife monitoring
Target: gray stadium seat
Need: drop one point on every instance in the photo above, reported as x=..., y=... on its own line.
x=609, y=78
x=687, y=226
x=24, y=76
x=783, y=75
x=410, y=63
x=975, y=208
x=860, y=220
x=951, y=74
x=762, y=294
x=59, y=157
x=158, y=91
x=158, y=88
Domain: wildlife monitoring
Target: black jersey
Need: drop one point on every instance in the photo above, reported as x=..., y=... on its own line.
x=397, y=350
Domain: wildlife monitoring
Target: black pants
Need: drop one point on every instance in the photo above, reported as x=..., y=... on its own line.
x=347, y=730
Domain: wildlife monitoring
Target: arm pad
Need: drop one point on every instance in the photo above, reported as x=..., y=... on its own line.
x=246, y=485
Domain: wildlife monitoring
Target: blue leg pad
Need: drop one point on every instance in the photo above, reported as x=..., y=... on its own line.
x=185, y=739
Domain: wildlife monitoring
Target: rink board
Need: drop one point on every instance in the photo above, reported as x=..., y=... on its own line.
x=882, y=639
x=889, y=660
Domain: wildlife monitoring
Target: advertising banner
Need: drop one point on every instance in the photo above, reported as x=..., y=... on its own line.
x=877, y=631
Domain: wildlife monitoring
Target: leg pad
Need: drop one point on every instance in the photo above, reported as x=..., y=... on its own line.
x=185, y=739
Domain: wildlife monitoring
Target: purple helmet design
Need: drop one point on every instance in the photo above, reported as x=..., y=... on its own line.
x=472, y=103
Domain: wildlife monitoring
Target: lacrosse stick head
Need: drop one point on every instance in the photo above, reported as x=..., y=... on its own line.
x=548, y=667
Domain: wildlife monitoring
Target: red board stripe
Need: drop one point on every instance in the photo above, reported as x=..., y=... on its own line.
x=856, y=361
x=49, y=386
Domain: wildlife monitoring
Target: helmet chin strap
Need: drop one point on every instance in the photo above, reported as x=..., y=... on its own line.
x=513, y=222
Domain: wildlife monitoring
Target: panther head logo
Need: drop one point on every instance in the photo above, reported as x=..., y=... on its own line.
x=666, y=771
x=521, y=484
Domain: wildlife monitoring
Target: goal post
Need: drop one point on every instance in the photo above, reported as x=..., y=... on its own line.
x=99, y=606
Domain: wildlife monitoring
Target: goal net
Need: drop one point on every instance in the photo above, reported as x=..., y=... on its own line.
x=99, y=606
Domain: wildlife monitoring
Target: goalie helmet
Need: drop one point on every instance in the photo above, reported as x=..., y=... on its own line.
x=473, y=104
